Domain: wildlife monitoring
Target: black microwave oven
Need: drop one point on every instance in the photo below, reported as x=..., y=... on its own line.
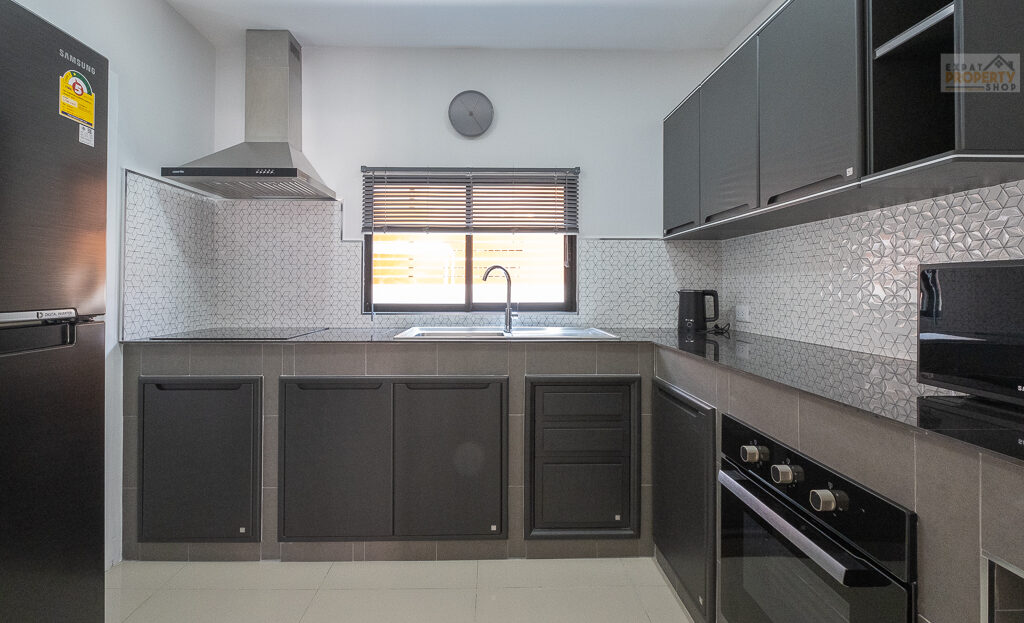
x=971, y=328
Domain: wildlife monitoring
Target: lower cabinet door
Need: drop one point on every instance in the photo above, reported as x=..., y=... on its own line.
x=335, y=453
x=684, y=482
x=199, y=459
x=581, y=493
x=449, y=458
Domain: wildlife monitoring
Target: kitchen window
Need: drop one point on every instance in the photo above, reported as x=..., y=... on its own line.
x=426, y=230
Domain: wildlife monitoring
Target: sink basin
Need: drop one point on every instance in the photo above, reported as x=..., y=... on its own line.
x=496, y=333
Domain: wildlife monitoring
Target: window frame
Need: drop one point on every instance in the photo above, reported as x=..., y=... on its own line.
x=569, y=305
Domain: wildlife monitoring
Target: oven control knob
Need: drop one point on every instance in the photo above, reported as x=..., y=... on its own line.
x=828, y=500
x=787, y=474
x=753, y=454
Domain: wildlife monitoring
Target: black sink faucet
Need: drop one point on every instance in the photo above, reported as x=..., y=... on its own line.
x=508, y=295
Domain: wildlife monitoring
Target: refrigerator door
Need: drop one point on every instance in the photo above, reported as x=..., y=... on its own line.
x=54, y=191
x=51, y=473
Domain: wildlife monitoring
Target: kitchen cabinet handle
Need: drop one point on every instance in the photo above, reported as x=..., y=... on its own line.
x=314, y=386
x=419, y=386
x=672, y=230
x=842, y=566
x=727, y=213
x=191, y=387
x=806, y=189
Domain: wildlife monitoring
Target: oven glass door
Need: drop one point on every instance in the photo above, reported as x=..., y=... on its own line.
x=777, y=567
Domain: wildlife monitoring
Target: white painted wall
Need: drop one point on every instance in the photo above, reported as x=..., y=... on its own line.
x=161, y=113
x=599, y=110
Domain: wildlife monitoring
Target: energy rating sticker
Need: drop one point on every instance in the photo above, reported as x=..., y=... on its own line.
x=77, y=101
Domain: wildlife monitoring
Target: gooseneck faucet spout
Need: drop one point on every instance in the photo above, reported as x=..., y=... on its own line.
x=508, y=295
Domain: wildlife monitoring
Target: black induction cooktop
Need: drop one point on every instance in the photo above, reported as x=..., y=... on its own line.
x=236, y=334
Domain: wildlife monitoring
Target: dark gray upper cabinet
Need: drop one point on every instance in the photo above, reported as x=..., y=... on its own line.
x=728, y=137
x=992, y=123
x=335, y=458
x=681, y=153
x=199, y=459
x=683, y=478
x=849, y=84
x=450, y=466
x=809, y=76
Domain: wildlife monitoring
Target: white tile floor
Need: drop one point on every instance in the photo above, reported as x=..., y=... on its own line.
x=624, y=590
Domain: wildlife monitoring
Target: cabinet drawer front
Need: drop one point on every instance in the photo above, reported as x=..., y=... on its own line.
x=592, y=494
x=583, y=439
x=591, y=403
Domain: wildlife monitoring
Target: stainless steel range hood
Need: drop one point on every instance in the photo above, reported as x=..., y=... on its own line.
x=270, y=163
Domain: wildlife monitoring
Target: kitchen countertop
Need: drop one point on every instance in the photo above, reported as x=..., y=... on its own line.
x=885, y=386
x=881, y=385
x=239, y=334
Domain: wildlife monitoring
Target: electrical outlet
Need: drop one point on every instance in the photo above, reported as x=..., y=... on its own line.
x=743, y=350
x=742, y=313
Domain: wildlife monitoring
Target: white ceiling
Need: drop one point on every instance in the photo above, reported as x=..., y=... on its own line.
x=539, y=24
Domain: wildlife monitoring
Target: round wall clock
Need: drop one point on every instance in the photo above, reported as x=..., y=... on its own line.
x=471, y=113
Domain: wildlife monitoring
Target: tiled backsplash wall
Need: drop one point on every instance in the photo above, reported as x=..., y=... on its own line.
x=284, y=263
x=849, y=282
x=168, y=251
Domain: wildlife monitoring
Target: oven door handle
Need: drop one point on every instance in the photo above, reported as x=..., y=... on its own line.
x=843, y=566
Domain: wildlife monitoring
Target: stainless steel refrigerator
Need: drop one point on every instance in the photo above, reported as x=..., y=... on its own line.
x=53, y=172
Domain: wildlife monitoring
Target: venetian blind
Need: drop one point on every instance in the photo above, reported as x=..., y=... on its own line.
x=471, y=200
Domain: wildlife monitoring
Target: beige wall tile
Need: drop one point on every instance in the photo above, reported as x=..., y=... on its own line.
x=687, y=373
x=1002, y=509
x=875, y=452
x=948, y=530
x=767, y=406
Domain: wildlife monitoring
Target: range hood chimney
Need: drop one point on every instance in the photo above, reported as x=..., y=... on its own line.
x=269, y=164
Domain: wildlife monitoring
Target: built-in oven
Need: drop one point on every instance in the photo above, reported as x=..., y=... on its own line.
x=802, y=544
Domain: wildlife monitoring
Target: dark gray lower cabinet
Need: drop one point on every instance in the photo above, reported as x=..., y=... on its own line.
x=199, y=459
x=449, y=458
x=683, y=478
x=582, y=457
x=335, y=459
x=388, y=458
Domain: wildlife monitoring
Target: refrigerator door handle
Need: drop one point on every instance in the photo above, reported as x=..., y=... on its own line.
x=39, y=315
x=30, y=338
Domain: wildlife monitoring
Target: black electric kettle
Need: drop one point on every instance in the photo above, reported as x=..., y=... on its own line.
x=693, y=318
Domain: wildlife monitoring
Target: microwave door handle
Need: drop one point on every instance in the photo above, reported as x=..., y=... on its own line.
x=850, y=571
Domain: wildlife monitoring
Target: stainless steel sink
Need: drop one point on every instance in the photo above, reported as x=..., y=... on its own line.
x=496, y=333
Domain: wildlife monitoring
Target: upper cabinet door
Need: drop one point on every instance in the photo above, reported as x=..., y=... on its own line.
x=681, y=150
x=728, y=137
x=811, y=103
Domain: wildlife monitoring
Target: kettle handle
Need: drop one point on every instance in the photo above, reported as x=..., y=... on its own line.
x=714, y=296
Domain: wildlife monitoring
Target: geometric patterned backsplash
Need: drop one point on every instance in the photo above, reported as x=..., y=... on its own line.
x=851, y=282
x=193, y=262
x=281, y=263
x=168, y=284
x=284, y=263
